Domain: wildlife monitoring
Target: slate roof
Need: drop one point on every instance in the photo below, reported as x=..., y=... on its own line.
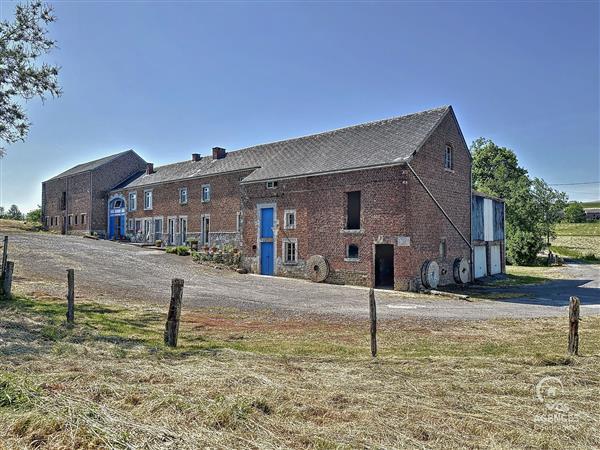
x=372, y=144
x=88, y=166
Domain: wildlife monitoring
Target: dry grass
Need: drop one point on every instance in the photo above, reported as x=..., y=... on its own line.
x=18, y=225
x=250, y=380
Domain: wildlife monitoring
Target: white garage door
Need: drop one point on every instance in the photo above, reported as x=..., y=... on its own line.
x=495, y=265
x=480, y=261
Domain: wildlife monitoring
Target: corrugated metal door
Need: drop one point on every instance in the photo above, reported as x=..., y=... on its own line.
x=480, y=266
x=495, y=265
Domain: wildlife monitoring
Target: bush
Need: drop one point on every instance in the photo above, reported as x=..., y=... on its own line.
x=158, y=243
x=182, y=250
x=171, y=250
x=522, y=247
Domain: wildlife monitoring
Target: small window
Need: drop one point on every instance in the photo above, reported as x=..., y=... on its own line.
x=290, y=219
x=353, y=210
x=352, y=251
x=138, y=226
x=290, y=251
x=206, y=192
x=272, y=184
x=83, y=219
x=63, y=201
x=147, y=199
x=449, y=158
x=443, y=249
x=70, y=220
x=132, y=201
x=76, y=216
x=130, y=224
x=183, y=196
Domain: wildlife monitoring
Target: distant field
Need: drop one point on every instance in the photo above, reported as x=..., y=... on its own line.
x=577, y=240
x=595, y=204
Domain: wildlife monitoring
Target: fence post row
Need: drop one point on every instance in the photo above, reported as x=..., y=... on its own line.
x=70, y=295
x=172, y=326
x=574, y=304
x=373, y=318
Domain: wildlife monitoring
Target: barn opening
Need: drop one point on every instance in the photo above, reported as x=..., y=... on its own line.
x=384, y=266
x=353, y=210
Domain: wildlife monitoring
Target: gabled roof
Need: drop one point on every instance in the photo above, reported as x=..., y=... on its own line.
x=89, y=166
x=373, y=144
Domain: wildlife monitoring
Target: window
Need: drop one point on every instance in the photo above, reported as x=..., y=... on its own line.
x=205, y=229
x=130, y=224
x=147, y=199
x=63, y=201
x=76, y=216
x=352, y=251
x=272, y=184
x=238, y=221
x=70, y=220
x=353, y=210
x=290, y=251
x=183, y=196
x=290, y=219
x=83, y=219
x=448, y=158
x=118, y=204
x=138, y=226
x=132, y=201
x=443, y=248
x=206, y=192
x=183, y=230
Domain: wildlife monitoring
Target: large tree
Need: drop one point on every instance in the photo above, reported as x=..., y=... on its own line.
x=574, y=213
x=23, y=75
x=532, y=207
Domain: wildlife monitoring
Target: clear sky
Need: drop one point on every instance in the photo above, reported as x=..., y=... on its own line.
x=172, y=78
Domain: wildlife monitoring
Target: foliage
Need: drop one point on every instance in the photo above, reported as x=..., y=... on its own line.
x=34, y=215
x=574, y=213
x=532, y=207
x=13, y=213
x=182, y=250
x=172, y=250
x=23, y=43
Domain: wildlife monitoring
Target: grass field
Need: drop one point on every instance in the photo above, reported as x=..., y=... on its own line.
x=578, y=240
x=249, y=380
x=595, y=204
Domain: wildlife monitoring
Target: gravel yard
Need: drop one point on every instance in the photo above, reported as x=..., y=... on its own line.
x=125, y=273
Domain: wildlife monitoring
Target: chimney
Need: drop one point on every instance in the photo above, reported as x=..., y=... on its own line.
x=219, y=153
x=195, y=157
x=149, y=168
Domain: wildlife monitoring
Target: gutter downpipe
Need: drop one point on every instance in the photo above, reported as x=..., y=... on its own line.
x=446, y=215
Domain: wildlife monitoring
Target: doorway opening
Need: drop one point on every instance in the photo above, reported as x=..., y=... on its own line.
x=384, y=266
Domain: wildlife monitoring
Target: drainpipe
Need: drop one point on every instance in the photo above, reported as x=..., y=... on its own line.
x=440, y=206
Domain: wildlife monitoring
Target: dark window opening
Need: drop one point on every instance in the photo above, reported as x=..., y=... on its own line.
x=353, y=210
x=353, y=251
x=63, y=201
x=443, y=249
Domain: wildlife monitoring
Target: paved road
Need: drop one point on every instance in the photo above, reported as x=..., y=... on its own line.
x=125, y=273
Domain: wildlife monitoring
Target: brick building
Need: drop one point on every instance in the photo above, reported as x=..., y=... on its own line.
x=385, y=203
x=75, y=200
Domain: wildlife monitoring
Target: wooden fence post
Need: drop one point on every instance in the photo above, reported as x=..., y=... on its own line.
x=373, y=317
x=70, y=295
x=574, y=325
x=7, y=280
x=4, y=254
x=172, y=326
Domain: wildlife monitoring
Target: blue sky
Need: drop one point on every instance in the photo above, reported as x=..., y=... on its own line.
x=171, y=78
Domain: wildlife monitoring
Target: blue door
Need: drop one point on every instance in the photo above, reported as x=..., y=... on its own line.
x=266, y=223
x=266, y=244
x=266, y=258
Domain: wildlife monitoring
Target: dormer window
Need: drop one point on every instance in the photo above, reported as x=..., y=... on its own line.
x=449, y=158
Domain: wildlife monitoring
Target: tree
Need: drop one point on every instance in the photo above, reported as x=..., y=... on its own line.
x=22, y=76
x=35, y=215
x=532, y=207
x=574, y=213
x=550, y=204
x=14, y=213
x=1, y=212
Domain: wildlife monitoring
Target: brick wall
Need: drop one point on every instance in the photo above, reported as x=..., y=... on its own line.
x=77, y=188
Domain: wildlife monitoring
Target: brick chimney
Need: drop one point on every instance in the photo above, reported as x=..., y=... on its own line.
x=149, y=168
x=219, y=153
x=195, y=157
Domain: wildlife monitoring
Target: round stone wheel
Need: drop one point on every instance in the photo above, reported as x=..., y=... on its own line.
x=430, y=274
x=317, y=268
x=461, y=270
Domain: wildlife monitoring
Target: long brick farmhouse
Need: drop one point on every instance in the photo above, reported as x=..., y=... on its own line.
x=385, y=203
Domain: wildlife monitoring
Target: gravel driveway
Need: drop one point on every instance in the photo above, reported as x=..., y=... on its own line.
x=125, y=273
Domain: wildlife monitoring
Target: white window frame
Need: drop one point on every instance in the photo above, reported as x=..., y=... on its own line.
x=148, y=206
x=449, y=158
x=132, y=196
x=272, y=184
x=204, y=232
x=207, y=187
x=136, y=228
x=183, y=192
x=284, y=254
x=180, y=220
x=70, y=220
x=131, y=225
x=286, y=215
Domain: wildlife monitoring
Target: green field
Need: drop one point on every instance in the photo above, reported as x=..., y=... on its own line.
x=578, y=240
x=595, y=204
